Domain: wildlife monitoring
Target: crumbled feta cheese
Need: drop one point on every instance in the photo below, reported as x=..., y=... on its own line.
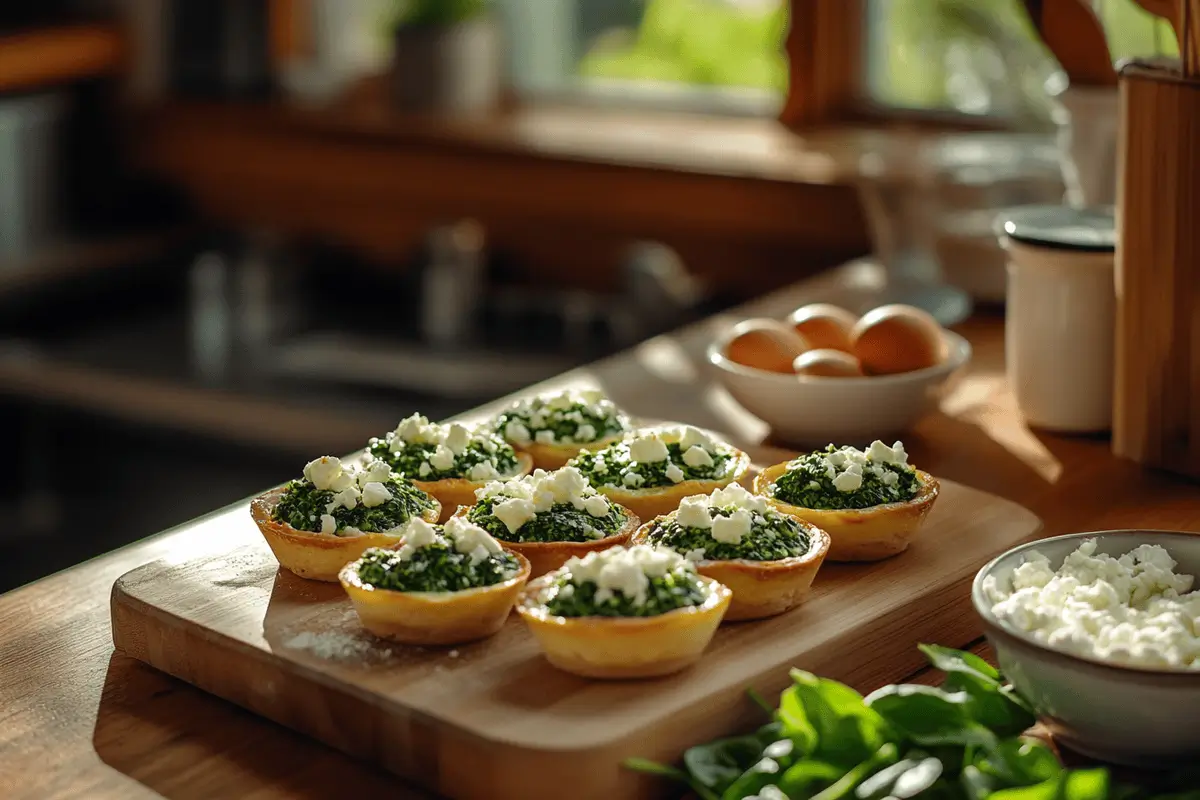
x=424, y=470
x=328, y=523
x=732, y=528
x=323, y=471
x=483, y=471
x=695, y=555
x=514, y=513
x=417, y=428
x=375, y=494
x=442, y=458
x=694, y=437
x=597, y=505
x=1133, y=610
x=543, y=490
x=624, y=570
x=517, y=432
x=544, y=437
x=470, y=539
x=848, y=481
x=585, y=433
x=347, y=499
x=649, y=448
x=693, y=513
x=457, y=438
x=696, y=457
x=738, y=496
x=633, y=480
x=416, y=534
x=674, y=473
x=375, y=472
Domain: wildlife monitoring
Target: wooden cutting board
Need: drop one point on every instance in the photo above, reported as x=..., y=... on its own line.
x=493, y=719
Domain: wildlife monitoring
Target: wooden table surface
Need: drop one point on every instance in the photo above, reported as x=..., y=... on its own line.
x=79, y=720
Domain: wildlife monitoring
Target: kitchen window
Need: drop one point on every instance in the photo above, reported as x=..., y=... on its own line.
x=716, y=56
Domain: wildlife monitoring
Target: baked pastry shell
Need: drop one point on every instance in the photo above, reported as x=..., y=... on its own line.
x=760, y=588
x=455, y=492
x=661, y=500
x=317, y=556
x=555, y=456
x=868, y=534
x=433, y=618
x=624, y=647
x=548, y=556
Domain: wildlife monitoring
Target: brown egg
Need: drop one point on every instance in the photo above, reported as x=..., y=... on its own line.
x=825, y=326
x=897, y=338
x=827, y=364
x=766, y=344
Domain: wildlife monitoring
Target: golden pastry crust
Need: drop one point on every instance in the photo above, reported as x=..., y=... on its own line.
x=548, y=556
x=868, y=534
x=555, y=456
x=455, y=492
x=317, y=556
x=760, y=588
x=660, y=500
x=624, y=647
x=434, y=618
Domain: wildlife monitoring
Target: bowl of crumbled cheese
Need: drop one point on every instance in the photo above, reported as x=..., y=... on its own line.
x=1100, y=633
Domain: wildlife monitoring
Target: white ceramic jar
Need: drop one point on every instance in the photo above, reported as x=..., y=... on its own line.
x=1060, y=322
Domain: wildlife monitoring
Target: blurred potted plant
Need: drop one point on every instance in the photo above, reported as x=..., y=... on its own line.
x=447, y=56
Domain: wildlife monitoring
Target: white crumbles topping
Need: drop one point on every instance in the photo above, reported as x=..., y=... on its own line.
x=463, y=536
x=351, y=485
x=547, y=412
x=696, y=456
x=1134, y=609
x=624, y=570
x=483, y=471
x=521, y=499
x=633, y=480
x=450, y=442
x=648, y=448
x=674, y=473
x=699, y=511
x=846, y=466
x=732, y=528
x=328, y=524
x=442, y=458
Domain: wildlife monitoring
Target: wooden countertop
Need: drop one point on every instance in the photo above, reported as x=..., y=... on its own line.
x=78, y=720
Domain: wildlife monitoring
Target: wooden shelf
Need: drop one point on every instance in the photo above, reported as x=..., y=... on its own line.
x=39, y=58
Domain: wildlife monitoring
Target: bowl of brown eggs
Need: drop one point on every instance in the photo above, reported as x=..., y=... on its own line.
x=824, y=374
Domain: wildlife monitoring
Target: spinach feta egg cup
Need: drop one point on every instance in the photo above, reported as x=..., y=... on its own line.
x=550, y=517
x=449, y=462
x=878, y=516
x=637, y=612
x=768, y=559
x=650, y=471
x=555, y=428
x=317, y=525
x=445, y=585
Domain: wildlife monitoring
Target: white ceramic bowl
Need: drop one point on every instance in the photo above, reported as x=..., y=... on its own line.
x=1139, y=716
x=811, y=411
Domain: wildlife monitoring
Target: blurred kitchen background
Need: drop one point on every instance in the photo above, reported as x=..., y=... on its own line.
x=237, y=234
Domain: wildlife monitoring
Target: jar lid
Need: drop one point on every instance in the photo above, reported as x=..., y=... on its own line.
x=1091, y=230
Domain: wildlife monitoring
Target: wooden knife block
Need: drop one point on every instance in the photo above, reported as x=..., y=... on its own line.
x=1156, y=404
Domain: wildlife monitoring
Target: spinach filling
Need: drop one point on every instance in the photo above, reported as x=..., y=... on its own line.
x=776, y=537
x=562, y=523
x=608, y=467
x=408, y=459
x=678, y=589
x=302, y=505
x=807, y=484
x=434, y=568
x=565, y=423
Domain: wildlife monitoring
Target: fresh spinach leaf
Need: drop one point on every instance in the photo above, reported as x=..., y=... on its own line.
x=975, y=784
x=1086, y=784
x=718, y=764
x=927, y=716
x=763, y=773
x=808, y=778
x=949, y=661
x=847, y=731
x=902, y=780
x=1019, y=762
x=648, y=767
x=844, y=787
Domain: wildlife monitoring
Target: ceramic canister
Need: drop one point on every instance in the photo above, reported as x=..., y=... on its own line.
x=1059, y=331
